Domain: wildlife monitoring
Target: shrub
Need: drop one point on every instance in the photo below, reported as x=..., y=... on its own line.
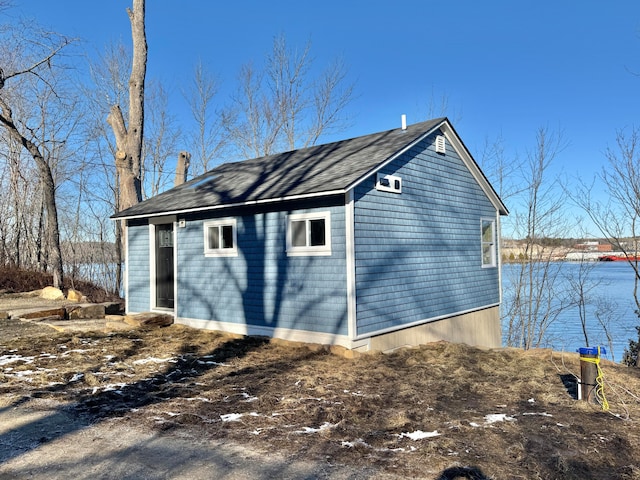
x=630, y=356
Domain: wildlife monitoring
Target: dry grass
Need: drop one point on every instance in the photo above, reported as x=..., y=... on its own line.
x=364, y=411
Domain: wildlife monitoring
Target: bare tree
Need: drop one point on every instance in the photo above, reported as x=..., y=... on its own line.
x=504, y=172
x=438, y=106
x=129, y=137
x=536, y=299
x=605, y=313
x=583, y=289
x=20, y=199
x=160, y=142
x=35, y=62
x=109, y=87
x=207, y=139
x=617, y=214
x=282, y=107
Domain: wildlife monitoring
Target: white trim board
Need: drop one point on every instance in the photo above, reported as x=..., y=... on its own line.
x=302, y=336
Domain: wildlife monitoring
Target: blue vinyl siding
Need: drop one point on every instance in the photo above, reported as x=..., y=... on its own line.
x=418, y=253
x=262, y=286
x=138, y=273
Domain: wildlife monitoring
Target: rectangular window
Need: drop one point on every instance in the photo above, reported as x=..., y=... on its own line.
x=488, y=235
x=309, y=234
x=220, y=238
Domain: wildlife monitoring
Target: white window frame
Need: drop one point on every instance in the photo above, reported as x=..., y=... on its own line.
x=309, y=250
x=491, y=244
x=220, y=252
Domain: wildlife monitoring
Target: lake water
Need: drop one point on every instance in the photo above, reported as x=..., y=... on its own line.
x=615, y=281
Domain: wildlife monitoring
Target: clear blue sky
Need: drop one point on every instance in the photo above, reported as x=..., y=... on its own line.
x=506, y=67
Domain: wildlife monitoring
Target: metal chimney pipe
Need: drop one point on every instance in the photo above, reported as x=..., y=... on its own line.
x=404, y=122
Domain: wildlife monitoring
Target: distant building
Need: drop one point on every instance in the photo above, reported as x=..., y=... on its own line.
x=593, y=247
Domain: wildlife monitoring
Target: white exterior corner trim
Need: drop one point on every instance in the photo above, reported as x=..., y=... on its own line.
x=351, y=263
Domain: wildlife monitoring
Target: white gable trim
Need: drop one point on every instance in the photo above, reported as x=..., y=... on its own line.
x=465, y=155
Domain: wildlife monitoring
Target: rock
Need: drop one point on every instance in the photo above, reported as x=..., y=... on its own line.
x=344, y=352
x=50, y=318
x=84, y=311
x=31, y=313
x=52, y=293
x=116, y=322
x=149, y=319
x=74, y=295
x=4, y=315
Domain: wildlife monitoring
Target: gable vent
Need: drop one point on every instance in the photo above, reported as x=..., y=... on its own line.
x=440, y=145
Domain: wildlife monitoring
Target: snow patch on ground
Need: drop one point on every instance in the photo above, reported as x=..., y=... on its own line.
x=419, y=435
x=144, y=361
x=324, y=426
x=498, y=417
x=7, y=359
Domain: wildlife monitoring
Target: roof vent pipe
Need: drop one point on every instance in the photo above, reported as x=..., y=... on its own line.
x=404, y=122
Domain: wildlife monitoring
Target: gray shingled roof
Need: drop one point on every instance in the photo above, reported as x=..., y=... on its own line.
x=330, y=168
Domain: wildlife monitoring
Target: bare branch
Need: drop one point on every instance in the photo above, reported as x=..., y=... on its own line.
x=282, y=107
x=32, y=69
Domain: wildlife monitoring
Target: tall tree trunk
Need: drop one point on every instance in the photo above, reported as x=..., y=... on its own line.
x=128, y=157
x=48, y=192
x=182, y=168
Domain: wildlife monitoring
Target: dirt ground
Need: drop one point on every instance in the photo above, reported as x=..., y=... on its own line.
x=183, y=403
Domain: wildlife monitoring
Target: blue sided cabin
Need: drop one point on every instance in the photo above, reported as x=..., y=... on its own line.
x=371, y=243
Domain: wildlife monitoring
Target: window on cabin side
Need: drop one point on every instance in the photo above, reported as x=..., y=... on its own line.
x=488, y=235
x=220, y=238
x=309, y=234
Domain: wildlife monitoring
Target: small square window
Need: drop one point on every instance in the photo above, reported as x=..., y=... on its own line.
x=220, y=238
x=309, y=234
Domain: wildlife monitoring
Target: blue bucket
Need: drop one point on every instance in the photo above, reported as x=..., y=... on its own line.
x=592, y=351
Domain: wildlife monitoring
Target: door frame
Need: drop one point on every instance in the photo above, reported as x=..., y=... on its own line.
x=172, y=219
